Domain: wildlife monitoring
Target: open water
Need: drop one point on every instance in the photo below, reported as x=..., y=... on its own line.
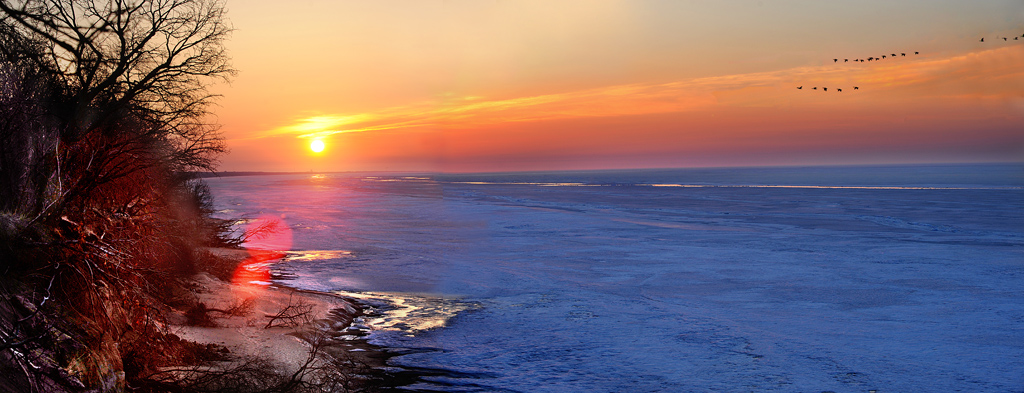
x=844, y=279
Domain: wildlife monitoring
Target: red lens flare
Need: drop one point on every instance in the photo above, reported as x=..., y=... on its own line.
x=266, y=239
x=268, y=233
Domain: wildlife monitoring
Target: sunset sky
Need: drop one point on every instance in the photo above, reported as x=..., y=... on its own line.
x=507, y=85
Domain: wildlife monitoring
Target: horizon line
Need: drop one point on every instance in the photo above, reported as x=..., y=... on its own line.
x=204, y=174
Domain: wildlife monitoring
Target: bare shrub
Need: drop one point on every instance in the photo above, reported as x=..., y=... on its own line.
x=296, y=313
x=324, y=370
x=330, y=369
x=251, y=374
x=242, y=308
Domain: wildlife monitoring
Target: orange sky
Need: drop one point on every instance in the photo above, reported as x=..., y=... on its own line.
x=503, y=85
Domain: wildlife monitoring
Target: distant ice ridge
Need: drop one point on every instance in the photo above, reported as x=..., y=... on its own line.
x=570, y=184
x=828, y=187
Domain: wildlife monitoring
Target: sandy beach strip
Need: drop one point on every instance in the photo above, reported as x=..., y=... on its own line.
x=273, y=322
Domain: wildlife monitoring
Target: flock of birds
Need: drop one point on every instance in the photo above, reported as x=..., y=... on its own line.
x=1005, y=38
x=826, y=89
x=883, y=57
x=873, y=58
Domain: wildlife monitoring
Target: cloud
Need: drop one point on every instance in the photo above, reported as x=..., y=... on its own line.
x=991, y=73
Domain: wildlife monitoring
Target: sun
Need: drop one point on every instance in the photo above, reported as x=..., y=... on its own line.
x=317, y=146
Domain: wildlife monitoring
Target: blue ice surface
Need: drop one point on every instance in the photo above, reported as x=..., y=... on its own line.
x=894, y=279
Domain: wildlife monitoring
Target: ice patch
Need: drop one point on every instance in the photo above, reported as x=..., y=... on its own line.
x=408, y=314
x=315, y=255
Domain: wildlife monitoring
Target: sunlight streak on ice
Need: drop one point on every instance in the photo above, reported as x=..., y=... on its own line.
x=315, y=255
x=408, y=313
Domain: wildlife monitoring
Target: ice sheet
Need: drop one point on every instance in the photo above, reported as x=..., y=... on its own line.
x=891, y=285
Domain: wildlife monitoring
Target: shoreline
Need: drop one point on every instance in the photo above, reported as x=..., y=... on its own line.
x=278, y=324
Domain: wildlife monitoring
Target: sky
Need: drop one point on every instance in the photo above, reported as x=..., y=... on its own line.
x=503, y=85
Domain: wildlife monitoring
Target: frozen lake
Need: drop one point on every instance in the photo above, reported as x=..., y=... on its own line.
x=894, y=279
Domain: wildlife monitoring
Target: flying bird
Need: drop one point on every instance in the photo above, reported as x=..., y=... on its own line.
x=848, y=60
x=883, y=56
x=799, y=87
x=855, y=87
x=824, y=88
x=893, y=55
x=982, y=39
x=840, y=90
x=903, y=54
x=814, y=88
x=835, y=60
x=915, y=53
x=1004, y=38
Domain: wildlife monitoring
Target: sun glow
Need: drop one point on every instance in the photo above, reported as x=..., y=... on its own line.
x=317, y=146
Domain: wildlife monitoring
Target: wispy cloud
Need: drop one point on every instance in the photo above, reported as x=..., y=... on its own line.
x=751, y=89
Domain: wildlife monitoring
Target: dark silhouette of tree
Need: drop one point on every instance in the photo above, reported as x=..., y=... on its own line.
x=103, y=112
x=132, y=76
x=26, y=132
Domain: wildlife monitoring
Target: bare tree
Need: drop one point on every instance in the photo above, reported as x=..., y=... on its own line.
x=133, y=74
x=147, y=56
x=102, y=104
x=26, y=130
